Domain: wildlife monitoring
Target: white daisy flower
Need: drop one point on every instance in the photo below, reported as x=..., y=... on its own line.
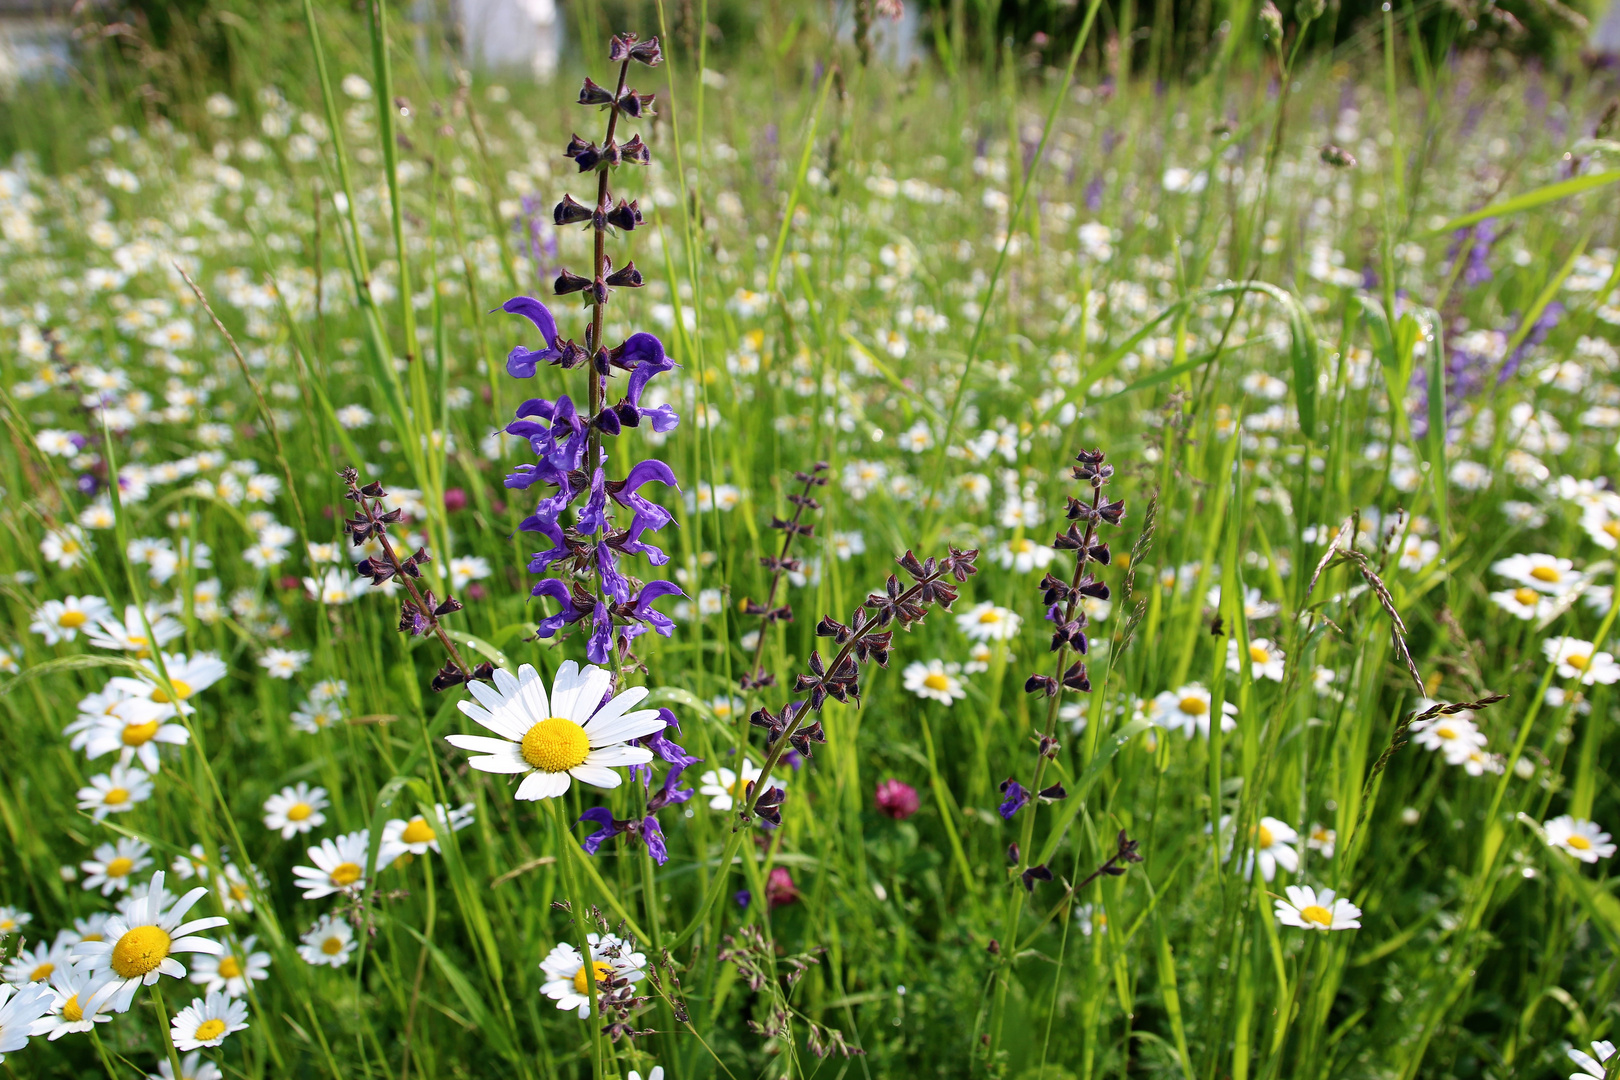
x=1456, y=736
x=12, y=920
x=283, y=663
x=296, y=809
x=67, y=546
x=725, y=787
x=114, y=864
x=1543, y=573
x=566, y=982
x=115, y=791
x=141, y=944
x=1312, y=910
x=233, y=972
x=332, y=587
x=1273, y=847
x=235, y=894
x=207, y=1021
x=1578, y=659
x=193, y=864
x=1591, y=1065
x=1580, y=838
x=987, y=622
x=1024, y=556
x=77, y=1002
x=61, y=620
x=20, y=1014
x=92, y=927
x=468, y=569
x=130, y=635
x=657, y=1073
x=1092, y=919
x=1321, y=838
x=36, y=964
x=1601, y=520
x=340, y=866
x=572, y=734
x=1523, y=602
x=419, y=835
x=1265, y=659
x=1189, y=710
x=134, y=727
x=936, y=680
x=330, y=941
x=187, y=676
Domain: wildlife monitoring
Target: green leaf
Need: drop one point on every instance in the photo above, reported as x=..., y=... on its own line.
x=68, y=663
x=1532, y=199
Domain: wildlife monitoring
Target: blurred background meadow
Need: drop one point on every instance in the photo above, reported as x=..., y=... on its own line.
x=1325, y=297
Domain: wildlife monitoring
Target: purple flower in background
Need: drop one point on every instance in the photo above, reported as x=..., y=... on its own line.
x=1015, y=799
x=896, y=799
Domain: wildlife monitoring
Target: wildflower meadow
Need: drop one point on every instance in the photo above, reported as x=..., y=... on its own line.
x=1083, y=555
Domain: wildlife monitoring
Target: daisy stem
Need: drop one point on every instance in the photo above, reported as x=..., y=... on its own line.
x=581, y=935
x=421, y=967
x=168, y=1035
x=101, y=1052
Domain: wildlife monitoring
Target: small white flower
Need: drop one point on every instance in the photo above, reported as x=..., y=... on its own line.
x=1579, y=838
x=340, y=866
x=1266, y=660
x=566, y=982
x=421, y=833
x=934, y=680
x=283, y=663
x=61, y=620
x=114, y=865
x=987, y=622
x=207, y=1021
x=1578, y=659
x=296, y=809
x=1543, y=573
x=115, y=792
x=234, y=972
x=330, y=941
x=1189, y=709
x=725, y=788
x=1523, y=602
x=1312, y=910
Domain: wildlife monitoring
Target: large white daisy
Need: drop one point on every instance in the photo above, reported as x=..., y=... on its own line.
x=131, y=634
x=133, y=727
x=573, y=733
x=1580, y=838
x=1543, y=573
x=141, y=945
x=20, y=1014
x=1578, y=658
x=328, y=942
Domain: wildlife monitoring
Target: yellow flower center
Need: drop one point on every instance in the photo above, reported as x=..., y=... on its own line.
x=230, y=968
x=345, y=874
x=1263, y=837
x=602, y=972
x=1259, y=654
x=116, y=796
x=1193, y=705
x=1579, y=842
x=182, y=690
x=1548, y=574
x=937, y=681
x=1316, y=913
x=140, y=951
x=209, y=1029
x=139, y=734
x=1525, y=595
x=1023, y=547
x=7, y=925
x=556, y=744
x=332, y=945
x=71, y=1012
x=119, y=867
x=42, y=972
x=991, y=616
x=239, y=891
x=418, y=832
x=1577, y=661
x=299, y=811
x=94, y=937
x=1612, y=527
x=72, y=620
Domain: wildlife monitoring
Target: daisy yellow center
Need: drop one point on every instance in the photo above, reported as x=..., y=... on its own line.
x=1579, y=842
x=72, y=620
x=345, y=874
x=140, y=951
x=1612, y=527
x=1445, y=732
x=238, y=891
x=1577, y=661
x=1023, y=547
x=120, y=867
x=602, y=972
x=70, y=547
x=71, y=1012
x=1193, y=705
x=936, y=681
x=1548, y=574
x=209, y=1029
x=42, y=972
x=182, y=690
x=116, y=796
x=299, y=811
x=418, y=832
x=94, y=937
x=991, y=616
x=332, y=946
x=556, y=744
x=139, y=734
x=1317, y=914
x=1259, y=654
x=1263, y=837
x=137, y=639
x=1525, y=595
x=230, y=968
x=8, y=925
